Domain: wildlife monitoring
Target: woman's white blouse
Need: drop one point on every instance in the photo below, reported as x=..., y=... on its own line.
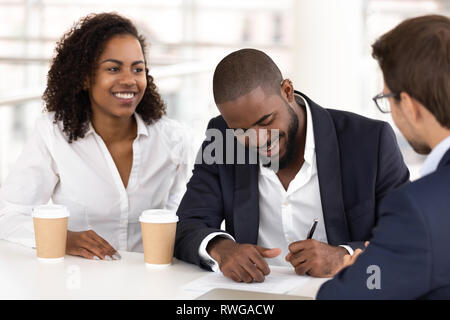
x=82, y=176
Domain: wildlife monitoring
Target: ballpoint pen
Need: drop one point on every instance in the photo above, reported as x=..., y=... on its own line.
x=312, y=229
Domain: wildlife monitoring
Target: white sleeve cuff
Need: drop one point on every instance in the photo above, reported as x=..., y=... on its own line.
x=348, y=248
x=204, y=256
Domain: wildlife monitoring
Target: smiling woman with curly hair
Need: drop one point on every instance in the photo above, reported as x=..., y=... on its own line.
x=76, y=60
x=104, y=147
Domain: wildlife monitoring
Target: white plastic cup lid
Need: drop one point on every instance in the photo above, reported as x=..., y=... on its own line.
x=158, y=216
x=50, y=211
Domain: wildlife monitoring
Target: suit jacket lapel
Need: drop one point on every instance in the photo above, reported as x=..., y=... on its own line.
x=246, y=203
x=329, y=173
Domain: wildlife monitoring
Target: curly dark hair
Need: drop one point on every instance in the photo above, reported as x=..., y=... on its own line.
x=77, y=54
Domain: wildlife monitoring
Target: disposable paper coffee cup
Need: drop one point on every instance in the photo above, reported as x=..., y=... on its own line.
x=50, y=231
x=158, y=236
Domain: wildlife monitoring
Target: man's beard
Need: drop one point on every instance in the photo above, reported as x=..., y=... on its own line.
x=291, y=145
x=420, y=148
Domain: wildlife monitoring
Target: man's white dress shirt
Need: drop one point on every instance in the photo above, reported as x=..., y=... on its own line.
x=285, y=216
x=83, y=177
x=432, y=161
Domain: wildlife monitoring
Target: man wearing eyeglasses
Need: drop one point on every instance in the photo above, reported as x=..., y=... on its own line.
x=382, y=102
x=314, y=164
x=408, y=256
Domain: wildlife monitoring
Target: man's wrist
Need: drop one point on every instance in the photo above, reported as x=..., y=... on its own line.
x=205, y=257
x=349, y=249
x=214, y=246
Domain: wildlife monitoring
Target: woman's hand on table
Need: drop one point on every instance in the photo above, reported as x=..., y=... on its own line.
x=90, y=245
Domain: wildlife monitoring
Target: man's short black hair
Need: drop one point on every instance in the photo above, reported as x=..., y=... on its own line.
x=242, y=71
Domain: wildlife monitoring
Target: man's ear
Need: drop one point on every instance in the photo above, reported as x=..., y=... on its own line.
x=411, y=108
x=287, y=89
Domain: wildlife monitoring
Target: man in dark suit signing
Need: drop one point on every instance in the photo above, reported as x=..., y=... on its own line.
x=409, y=256
x=313, y=164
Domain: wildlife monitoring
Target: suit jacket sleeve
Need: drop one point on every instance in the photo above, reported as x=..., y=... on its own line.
x=201, y=209
x=396, y=264
x=392, y=171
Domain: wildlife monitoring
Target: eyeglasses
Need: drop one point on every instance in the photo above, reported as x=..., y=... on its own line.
x=382, y=102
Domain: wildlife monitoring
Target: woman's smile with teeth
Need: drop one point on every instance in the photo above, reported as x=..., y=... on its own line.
x=124, y=95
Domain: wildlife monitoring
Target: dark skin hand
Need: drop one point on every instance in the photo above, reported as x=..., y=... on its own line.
x=241, y=262
x=89, y=244
x=317, y=259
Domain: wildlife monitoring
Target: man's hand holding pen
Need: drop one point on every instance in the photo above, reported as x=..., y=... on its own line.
x=317, y=259
x=246, y=262
x=314, y=258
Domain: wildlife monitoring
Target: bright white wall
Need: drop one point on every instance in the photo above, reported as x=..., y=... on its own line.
x=328, y=51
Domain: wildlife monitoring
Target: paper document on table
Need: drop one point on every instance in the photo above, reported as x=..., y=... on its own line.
x=280, y=280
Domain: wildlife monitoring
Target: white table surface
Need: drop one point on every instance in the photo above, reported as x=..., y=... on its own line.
x=23, y=276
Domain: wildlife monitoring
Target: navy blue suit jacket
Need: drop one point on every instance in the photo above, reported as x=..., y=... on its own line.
x=409, y=246
x=358, y=161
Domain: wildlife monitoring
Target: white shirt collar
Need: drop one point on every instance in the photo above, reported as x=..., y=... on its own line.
x=432, y=161
x=141, y=126
x=310, y=144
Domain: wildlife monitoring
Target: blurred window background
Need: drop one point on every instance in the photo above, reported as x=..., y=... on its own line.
x=323, y=46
